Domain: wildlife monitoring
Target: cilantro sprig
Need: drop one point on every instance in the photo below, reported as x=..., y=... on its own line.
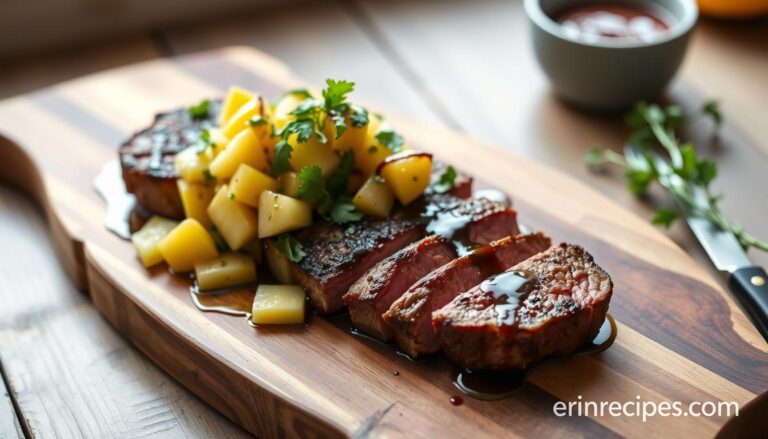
x=683, y=173
x=446, y=181
x=290, y=247
x=329, y=193
x=200, y=110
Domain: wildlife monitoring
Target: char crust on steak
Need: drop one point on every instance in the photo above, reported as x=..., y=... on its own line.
x=549, y=305
x=472, y=224
x=147, y=158
x=410, y=316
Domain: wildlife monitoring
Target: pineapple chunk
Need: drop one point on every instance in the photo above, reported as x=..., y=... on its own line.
x=279, y=265
x=145, y=240
x=228, y=270
x=407, y=174
x=192, y=165
x=239, y=121
x=374, y=198
x=186, y=245
x=236, y=98
x=247, y=185
x=237, y=223
x=352, y=137
x=195, y=198
x=246, y=148
x=290, y=184
x=281, y=213
x=278, y=304
x=312, y=152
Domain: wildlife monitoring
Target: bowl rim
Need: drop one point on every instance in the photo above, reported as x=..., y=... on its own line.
x=680, y=28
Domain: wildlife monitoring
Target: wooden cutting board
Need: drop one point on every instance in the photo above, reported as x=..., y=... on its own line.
x=680, y=337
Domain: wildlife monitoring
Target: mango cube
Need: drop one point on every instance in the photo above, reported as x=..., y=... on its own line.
x=236, y=98
x=246, y=147
x=186, y=245
x=237, y=223
x=312, y=152
x=195, y=198
x=374, y=198
x=192, y=165
x=290, y=184
x=278, y=264
x=239, y=120
x=278, y=304
x=145, y=240
x=247, y=185
x=281, y=213
x=227, y=270
x=408, y=174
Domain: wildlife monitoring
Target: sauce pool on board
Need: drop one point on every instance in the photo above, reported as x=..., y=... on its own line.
x=592, y=22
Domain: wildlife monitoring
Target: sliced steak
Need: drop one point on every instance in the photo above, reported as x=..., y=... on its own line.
x=472, y=224
x=147, y=158
x=549, y=305
x=374, y=292
x=337, y=255
x=410, y=316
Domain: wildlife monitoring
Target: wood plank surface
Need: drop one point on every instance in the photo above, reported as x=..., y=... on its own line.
x=69, y=372
x=277, y=382
x=477, y=59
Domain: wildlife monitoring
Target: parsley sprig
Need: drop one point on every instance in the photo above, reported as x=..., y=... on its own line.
x=290, y=247
x=329, y=193
x=683, y=174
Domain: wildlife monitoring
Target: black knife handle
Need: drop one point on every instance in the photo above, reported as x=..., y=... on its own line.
x=750, y=286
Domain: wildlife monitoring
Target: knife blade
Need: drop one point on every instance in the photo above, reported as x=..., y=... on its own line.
x=747, y=282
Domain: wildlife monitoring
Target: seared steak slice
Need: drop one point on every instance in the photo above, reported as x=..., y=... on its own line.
x=410, y=316
x=548, y=305
x=375, y=291
x=337, y=255
x=147, y=158
x=471, y=224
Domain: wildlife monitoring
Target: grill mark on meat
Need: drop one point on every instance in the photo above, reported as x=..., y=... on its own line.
x=409, y=317
x=147, y=158
x=470, y=225
x=556, y=302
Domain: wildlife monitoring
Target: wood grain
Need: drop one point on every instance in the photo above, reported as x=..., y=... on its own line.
x=71, y=374
x=680, y=336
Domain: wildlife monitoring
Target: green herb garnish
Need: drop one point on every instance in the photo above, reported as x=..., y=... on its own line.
x=208, y=177
x=683, y=174
x=204, y=142
x=389, y=138
x=200, y=110
x=447, y=179
x=343, y=211
x=290, y=247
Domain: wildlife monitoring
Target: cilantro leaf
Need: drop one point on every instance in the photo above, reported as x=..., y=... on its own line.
x=638, y=180
x=343, y=211
x=358, y=116
x=594, y=157
x=390, y=139
x=303, y=128
x=290, y=247
x=209, y=178
x=336, y=92
x=282, y=161
x=665, y=217
x=200, y=110
x=689, y=165
x=311, y=183
x=447, y=179
x=204, y=141
x=339, y=122
x=706, y=171
x=712, y=110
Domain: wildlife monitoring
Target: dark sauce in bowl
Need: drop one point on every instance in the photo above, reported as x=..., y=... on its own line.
x=592, y=22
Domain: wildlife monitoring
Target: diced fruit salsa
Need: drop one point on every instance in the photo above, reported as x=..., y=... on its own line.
x=271, y=168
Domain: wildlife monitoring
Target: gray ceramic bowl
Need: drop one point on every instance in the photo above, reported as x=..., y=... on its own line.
x=609, y=75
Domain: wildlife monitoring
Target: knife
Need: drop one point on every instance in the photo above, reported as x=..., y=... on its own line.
x=746, y=281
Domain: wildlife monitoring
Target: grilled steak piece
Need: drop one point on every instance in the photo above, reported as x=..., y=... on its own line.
x=147, y=158
x=478, y=223
x=375, y=291
x=548, y=305
x=410, y=316
x=337, y=255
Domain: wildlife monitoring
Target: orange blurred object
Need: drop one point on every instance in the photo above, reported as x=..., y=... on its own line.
x=733, y=8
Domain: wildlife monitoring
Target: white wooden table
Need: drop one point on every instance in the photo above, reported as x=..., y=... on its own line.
x=466, y=65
